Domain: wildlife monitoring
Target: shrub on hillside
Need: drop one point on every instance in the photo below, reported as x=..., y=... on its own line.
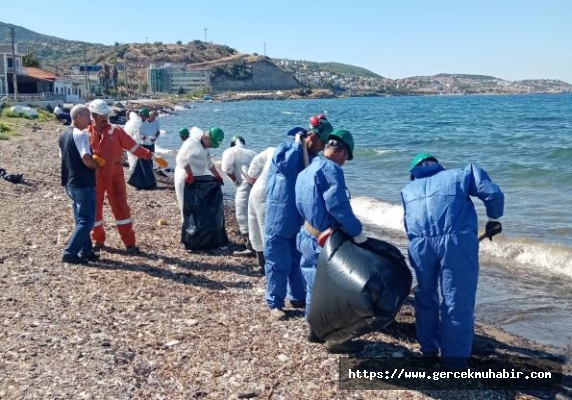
x=4, y=128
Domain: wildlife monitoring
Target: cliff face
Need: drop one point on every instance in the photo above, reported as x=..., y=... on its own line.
x=263, y=76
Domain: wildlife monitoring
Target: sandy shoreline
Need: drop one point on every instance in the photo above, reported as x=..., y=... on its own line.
x=167, y=324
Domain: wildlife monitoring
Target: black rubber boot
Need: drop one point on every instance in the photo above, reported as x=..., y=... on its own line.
x=312, y=337
x=347, y=347
x=260, y=258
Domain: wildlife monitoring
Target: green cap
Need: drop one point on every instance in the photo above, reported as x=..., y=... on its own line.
x=420, y=158
x=217, y=135
x=324, y=129
x=183, y=132
x=144, y=112
x=347, y=138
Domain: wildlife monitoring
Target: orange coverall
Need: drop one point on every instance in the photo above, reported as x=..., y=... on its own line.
x=110, y=179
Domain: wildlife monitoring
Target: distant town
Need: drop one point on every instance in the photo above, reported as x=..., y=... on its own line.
x=42, y=68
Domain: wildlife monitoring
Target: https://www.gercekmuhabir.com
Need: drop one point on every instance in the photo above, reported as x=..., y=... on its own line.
x=416, y=373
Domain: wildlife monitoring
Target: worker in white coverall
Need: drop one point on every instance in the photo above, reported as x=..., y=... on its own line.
x=133, y=127
x=235, y=162
x=258, y=171
x=194, y=159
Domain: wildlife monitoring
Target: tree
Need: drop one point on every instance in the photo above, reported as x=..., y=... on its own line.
x=114, y=76
x=179, y=42
x=144, y=86
x=106, y=77
x=29, y=60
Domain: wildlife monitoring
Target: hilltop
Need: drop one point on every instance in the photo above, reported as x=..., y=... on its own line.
x=236, y=71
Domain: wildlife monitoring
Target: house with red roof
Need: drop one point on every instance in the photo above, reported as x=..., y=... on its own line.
x=33, y=83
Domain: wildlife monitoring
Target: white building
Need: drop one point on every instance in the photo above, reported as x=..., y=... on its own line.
x=172, y=78
x=9, y=66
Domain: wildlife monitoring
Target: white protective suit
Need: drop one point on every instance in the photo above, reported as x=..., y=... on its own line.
x=257, y=201
x=193, y=154
x=235, y=160
x=133, y=128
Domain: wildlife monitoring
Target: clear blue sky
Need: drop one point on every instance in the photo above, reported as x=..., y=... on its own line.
x=508, y=39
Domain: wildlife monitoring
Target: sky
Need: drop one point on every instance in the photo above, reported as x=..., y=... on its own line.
x=507, y=39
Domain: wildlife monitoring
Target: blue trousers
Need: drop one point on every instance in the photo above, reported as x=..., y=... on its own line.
x=283, y=275
x=307, y=245
x=83, y=204
x=453, y=261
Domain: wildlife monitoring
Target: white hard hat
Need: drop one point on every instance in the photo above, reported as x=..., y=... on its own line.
x=99, y=106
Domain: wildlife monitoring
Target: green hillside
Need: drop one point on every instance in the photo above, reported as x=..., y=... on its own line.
x=62, y=53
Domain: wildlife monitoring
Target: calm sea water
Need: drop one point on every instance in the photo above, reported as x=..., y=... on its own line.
x=523, y=142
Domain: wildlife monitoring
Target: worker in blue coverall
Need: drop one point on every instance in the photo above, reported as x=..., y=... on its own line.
x=323, y=202
x=282, y=267
x=441, y=224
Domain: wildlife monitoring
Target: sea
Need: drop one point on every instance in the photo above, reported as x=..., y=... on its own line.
x=524, y=142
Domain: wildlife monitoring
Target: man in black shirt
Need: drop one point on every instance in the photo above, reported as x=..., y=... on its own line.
x=78, y=178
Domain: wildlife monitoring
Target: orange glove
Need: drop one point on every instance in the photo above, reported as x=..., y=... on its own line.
x=100, y=161
x=189, y=179
x=161, y=161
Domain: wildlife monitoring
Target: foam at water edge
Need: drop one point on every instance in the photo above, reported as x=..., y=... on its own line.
x=161, y=150
x=543, y=258
x=378, y=213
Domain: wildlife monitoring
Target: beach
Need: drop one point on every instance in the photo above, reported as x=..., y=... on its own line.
x=168, y=323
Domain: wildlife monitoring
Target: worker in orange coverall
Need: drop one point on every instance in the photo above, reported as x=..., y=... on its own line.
x=108, y=142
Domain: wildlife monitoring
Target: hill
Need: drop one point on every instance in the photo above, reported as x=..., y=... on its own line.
x=235, y=71
x=66, y=53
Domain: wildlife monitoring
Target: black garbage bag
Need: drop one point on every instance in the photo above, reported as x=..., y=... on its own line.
x=357, y=289
x=14, y=178
x=203, y=215
x=143, y=175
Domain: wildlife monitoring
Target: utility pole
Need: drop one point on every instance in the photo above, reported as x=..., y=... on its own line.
x=14, y=76
x=206, y=34
x=264, y=49
x=87, y=86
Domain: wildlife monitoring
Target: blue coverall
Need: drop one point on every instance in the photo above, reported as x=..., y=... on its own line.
x=322, y=200
x=441, y=224
x=282, y=267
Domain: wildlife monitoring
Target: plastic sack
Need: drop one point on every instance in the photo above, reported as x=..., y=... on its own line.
x=357, y=289
x=142, y=176
x=27, y=111
x=203, y=215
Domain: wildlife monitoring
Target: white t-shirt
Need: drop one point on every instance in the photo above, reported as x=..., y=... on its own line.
x=81, y=140
x=153, y=127
x=146, y=130
x=58, y=110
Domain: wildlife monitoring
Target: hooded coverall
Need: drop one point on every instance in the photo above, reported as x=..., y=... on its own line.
x=133, y=127
x=258, y=170
x=322, y=200
x=234, y=160
x=110, y=179
x=283, y=222
x=441, y=224
x=197, y=157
